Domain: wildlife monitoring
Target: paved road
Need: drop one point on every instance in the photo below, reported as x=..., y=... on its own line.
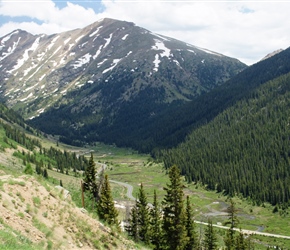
x=129, y=189
x=244, y=231
x=249, y=232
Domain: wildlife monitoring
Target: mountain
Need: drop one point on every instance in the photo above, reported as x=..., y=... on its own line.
x=80, y=83
x=172, y=127
x=238, y=143
x=272, y=54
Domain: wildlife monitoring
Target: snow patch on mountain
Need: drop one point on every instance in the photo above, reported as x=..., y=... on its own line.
x=10, y=50
x=98, y=52
x=192, y=51
x=52, y=43
x=114, y=64
x=79, y=38
x=67, y=40
x=108, y=40
x=95, y=32
x=125, y=37
x=25, y=56
x=209, y=52
x=29, y=96
x=81, y=61
x=161, y=46
x=6, y=38
x=156, y=62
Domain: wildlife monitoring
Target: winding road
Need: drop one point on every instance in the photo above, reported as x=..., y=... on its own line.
x=129, y=187
x=129, y=194
x=244, y=231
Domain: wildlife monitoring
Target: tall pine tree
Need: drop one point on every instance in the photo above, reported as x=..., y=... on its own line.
x=210, y=240
x=132, y=227
x=139, y=224
x=174, y=219
x=143, y=216
x=233, y=222
x=156, y=223
x=90, y=183
x=240, y=241
x=105, y=207
x=190, y=227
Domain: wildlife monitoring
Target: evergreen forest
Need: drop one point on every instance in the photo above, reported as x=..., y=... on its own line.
x=245, y=150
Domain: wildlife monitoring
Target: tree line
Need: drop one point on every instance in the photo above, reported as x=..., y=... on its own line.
x=42, y=157
x=245, y=149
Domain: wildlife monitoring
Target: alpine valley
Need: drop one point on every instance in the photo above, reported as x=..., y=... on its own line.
x=106, y=81
x=224, y=125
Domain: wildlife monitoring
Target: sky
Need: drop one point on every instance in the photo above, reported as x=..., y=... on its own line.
x=246, y=30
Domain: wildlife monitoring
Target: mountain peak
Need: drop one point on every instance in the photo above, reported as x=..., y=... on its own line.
x=271, y=54
x=105, y=66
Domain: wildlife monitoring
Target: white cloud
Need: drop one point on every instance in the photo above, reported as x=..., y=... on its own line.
x=45, y=16
x=244, y=30
x=247, y=30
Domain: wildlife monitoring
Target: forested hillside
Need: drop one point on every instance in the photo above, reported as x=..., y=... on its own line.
x=245, y=149
x=170, y=128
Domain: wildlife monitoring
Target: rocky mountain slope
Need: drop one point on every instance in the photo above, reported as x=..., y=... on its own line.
x=37, y=215
x=44, y=217
x=98, y=70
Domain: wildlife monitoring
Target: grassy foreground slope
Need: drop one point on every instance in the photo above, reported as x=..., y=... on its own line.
x=36, y=213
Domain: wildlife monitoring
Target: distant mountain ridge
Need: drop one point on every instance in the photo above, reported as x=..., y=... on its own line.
x=272, y=54
x=85, y=77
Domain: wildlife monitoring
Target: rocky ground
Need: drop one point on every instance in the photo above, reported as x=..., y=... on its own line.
x=46, y=216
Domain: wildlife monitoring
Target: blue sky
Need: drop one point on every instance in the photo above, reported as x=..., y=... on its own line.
x=246, y=30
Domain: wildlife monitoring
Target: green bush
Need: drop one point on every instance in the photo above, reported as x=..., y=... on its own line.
x=28, y=169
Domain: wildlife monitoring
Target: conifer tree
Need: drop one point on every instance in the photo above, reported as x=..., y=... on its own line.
x=233, y=222
x=45, y=174
x=132, y=227
x=143, y=216
x=90, y=183
x=210, y=240
x=173, y=212
x=190, y=227
x=105, y=207
x=240, y=241
x=156, y=223
x=140, y=228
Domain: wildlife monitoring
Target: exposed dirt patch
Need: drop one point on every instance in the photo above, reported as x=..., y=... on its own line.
x=42, y=213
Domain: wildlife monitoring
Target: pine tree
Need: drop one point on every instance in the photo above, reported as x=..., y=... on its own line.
x=90, y=183
x=210, y=240
x=28, y=169
x=240, y=242
x=190, y=227
x=105, y=207
x=140, y=228
x=233, y=222
x=173, y=212
x=132, y=227
x=143, y=216
x=45, y=174
x=156, y=222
